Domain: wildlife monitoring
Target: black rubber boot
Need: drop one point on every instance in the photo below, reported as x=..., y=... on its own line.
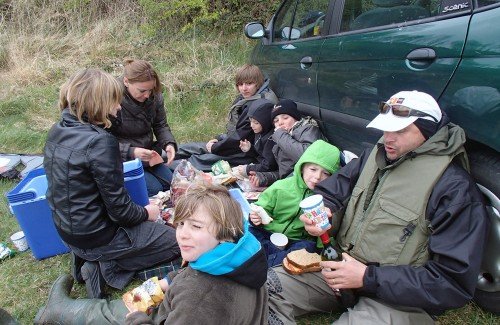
x=60, y=308
x=6, y=318
x=94, y=281
x=76, y=265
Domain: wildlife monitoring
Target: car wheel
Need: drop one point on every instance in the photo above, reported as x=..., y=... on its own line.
x=485, y=168
x=489, y=301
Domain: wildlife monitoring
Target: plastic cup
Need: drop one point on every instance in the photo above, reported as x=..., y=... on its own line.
x=314, y=209
x=19, y=241
x=279, y=240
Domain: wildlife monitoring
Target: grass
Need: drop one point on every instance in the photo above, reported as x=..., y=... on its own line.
x=42, y=47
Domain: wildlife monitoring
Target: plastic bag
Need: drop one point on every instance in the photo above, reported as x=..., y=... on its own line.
x=185, y=176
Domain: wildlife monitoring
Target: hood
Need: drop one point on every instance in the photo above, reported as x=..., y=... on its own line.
x=449, y=140
x=264, y=86
x=244, y=261
x=321, y=153
x=260, y=109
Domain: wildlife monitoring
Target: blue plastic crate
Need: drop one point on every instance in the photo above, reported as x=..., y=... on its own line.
x=28, y=203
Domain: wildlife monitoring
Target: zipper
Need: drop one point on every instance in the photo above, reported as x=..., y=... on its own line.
x=365, y=212
x=297, y=213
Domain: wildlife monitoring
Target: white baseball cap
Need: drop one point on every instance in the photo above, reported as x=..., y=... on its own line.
x=416, y=101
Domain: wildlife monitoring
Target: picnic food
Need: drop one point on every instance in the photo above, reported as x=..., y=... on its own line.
x=266, y=219
x=145, y=296
x=301, y=261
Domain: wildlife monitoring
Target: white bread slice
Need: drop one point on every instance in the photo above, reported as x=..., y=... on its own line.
x=296, y=270
x=303, y=259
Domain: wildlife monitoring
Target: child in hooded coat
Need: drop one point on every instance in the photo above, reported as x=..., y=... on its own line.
x=292, y=135
x=261, y=123
x=281, y=201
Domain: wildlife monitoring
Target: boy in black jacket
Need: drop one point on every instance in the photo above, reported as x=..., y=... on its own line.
x=261, y=123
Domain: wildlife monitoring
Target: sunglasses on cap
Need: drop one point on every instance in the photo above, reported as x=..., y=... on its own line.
x=402, y=111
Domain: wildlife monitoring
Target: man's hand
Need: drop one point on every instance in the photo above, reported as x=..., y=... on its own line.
x=210, y=143
x=255, y=218
x=143, y=154
x=311, y=227
x=245, y=145
x=170, y=150
x=347, y=274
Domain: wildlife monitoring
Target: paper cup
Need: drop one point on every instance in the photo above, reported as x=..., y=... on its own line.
x=19, y=241
x=314, y=209
x=279, y=240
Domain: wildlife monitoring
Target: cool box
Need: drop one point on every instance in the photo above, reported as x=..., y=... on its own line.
x=28, y=203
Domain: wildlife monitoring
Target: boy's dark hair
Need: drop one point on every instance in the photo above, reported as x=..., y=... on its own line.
x=249, y=73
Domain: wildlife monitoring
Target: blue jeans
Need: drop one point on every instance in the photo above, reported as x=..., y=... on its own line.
x=158, y=178
x=275, y=255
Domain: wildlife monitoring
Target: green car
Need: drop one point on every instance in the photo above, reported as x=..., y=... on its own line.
x=339, y=58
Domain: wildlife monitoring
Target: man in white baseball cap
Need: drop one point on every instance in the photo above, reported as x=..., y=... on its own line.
x=414, y=115
x=409, y=220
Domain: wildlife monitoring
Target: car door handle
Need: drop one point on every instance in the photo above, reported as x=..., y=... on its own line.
x=423, y=54
x=306, y=62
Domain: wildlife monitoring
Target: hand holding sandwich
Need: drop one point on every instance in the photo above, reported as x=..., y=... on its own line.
x=347, y=274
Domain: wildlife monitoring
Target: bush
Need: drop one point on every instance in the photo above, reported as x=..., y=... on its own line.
x=225, y=15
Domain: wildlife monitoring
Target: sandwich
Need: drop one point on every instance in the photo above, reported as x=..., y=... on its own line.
x=266, y=219
x=144, y=297
x=301, y=261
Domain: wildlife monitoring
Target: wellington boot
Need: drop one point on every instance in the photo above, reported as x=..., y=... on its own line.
x=60, y=308
x=94, y=281
x=76, y=265
x=6, y=318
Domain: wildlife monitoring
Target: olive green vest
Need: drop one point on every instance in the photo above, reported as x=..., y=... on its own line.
x=391, y=228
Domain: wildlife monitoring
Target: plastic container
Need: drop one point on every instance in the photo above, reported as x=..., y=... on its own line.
x=28, y=203
x=135, y=182
x=238, y=196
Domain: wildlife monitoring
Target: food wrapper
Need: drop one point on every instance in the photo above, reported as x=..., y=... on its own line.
x=185, y=176
x=224, y=179
x=266, y=219
x=5, y=252
x=155, y=159
x=144, y=297
x=221, y=167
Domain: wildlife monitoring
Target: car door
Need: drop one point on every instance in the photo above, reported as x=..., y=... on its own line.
x=290, y=56
x=377, y=48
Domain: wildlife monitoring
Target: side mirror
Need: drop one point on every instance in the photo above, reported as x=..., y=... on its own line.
x=255, y=30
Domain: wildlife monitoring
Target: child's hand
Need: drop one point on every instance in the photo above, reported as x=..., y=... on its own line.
x=245, y=145
x=210, y=143
x=254, y=179
x=242, y=170
x=255, y=218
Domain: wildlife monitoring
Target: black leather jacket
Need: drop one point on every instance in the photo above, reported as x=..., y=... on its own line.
x=85, y=184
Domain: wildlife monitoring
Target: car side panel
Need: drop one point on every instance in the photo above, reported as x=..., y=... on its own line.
x=358, y=70
x=472, y=99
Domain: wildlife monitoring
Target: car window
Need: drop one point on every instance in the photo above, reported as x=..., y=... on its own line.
x=360, y=14
x=483, y=3
x=299, y=19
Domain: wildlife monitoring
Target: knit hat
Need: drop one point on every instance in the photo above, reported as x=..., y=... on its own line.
x=422, y=103
x=286, y=106
x=260, y=109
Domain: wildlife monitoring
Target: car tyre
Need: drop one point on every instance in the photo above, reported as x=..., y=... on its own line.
x=485, y=168
x=489, y=301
